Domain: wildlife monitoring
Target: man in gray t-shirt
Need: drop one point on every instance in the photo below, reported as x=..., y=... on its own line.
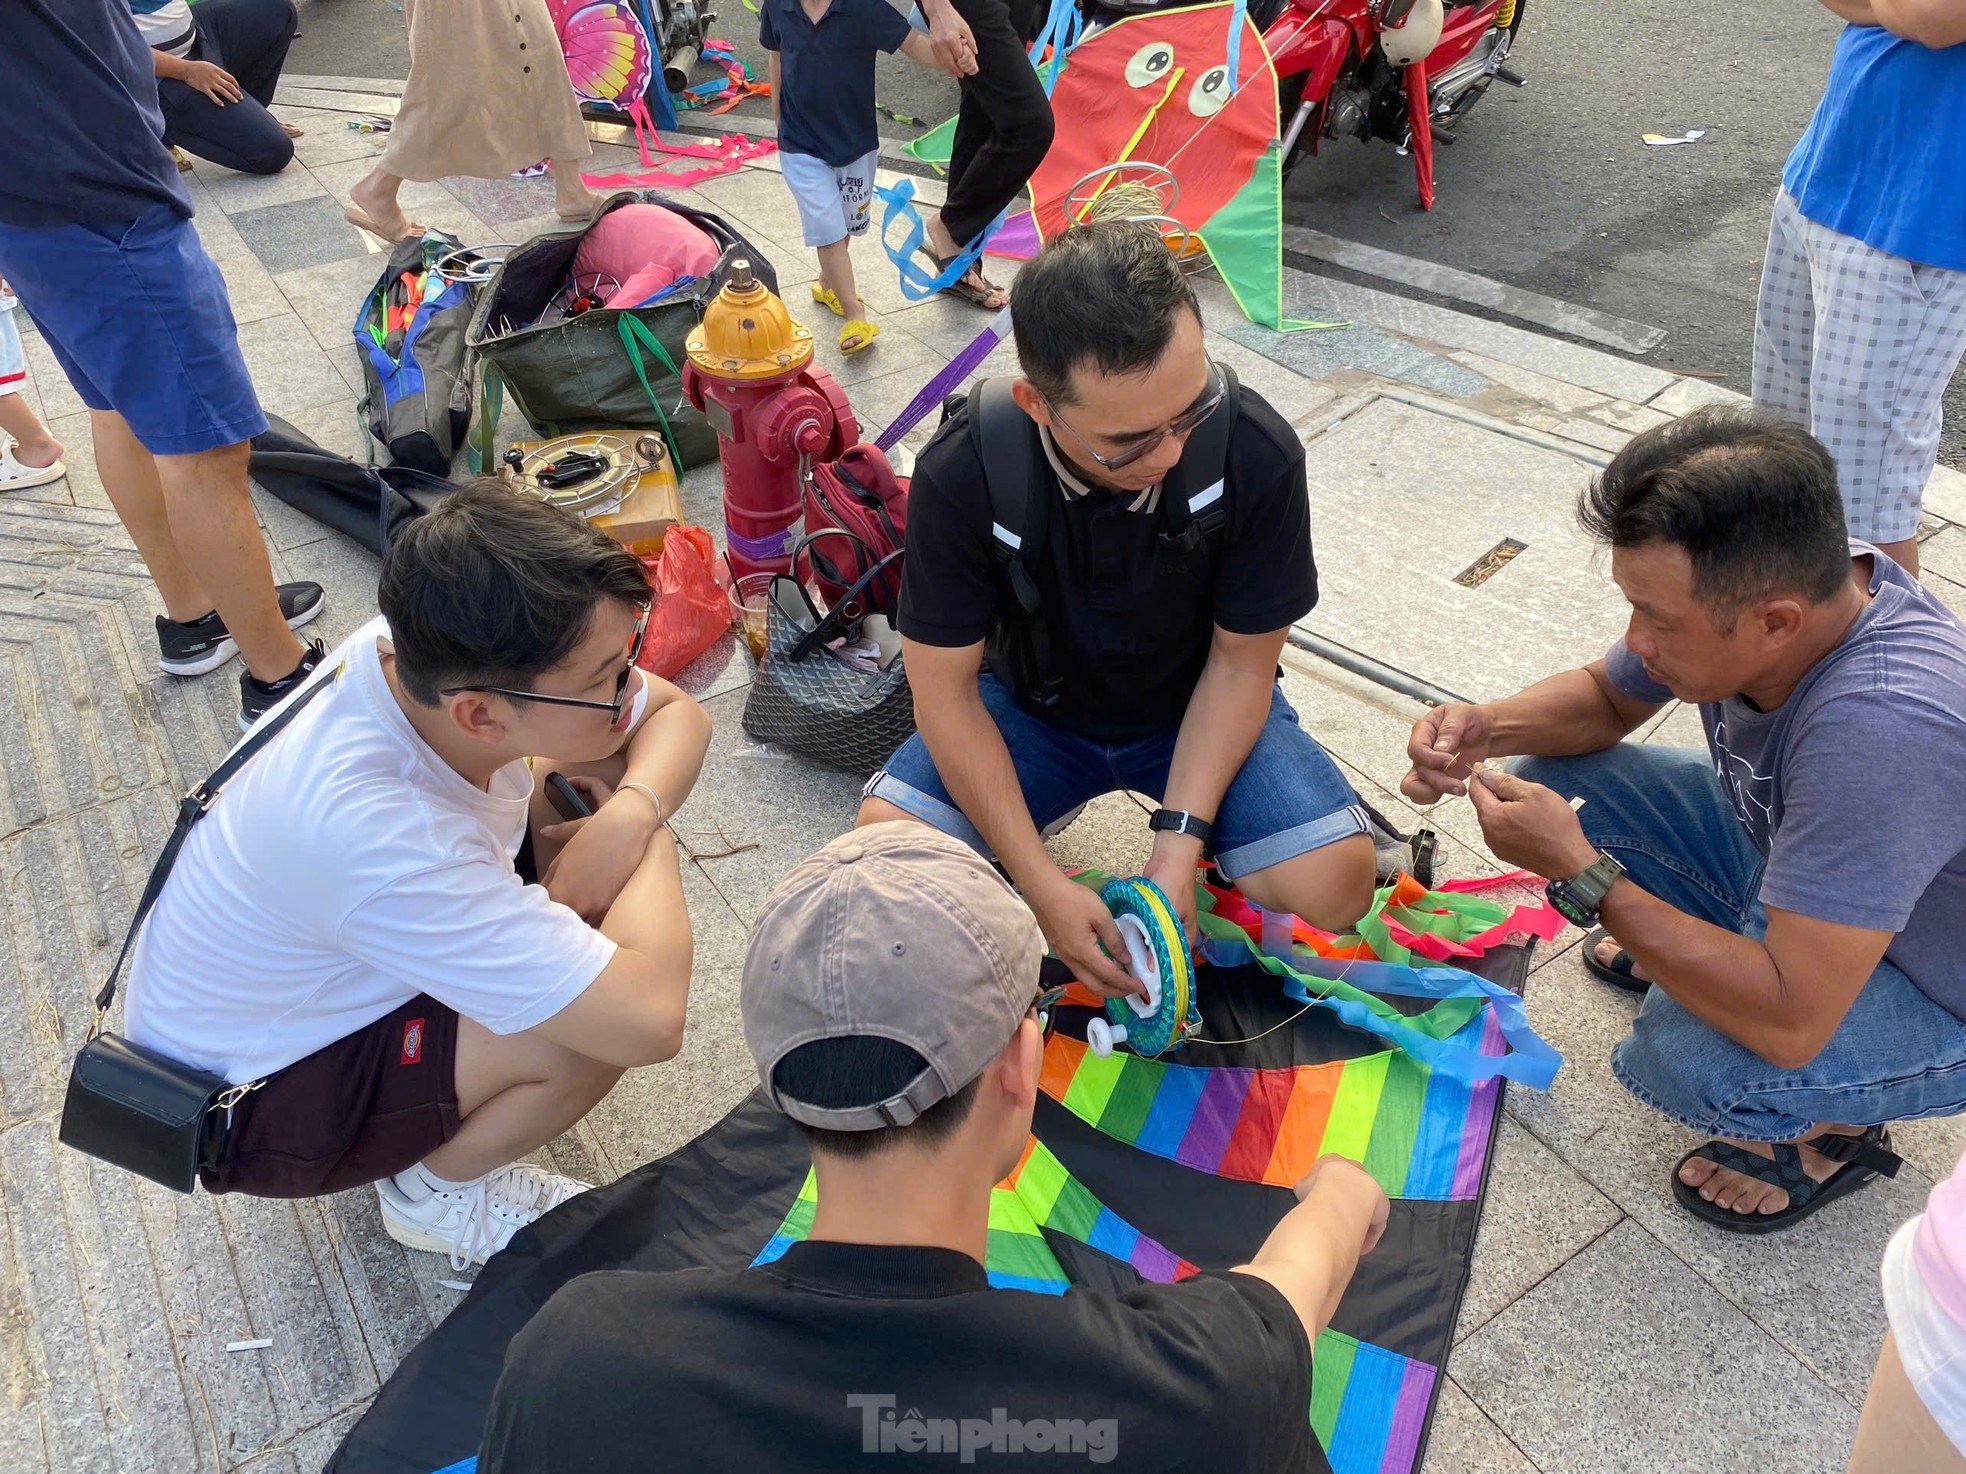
x=1793, y=900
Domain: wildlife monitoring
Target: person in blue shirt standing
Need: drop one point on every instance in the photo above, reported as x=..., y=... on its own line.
x=96, y=236
x=822, y=89
x=1862, y=316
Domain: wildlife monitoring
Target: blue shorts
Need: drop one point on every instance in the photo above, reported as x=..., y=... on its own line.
x=835, y=201
x=1287, y=799
x=138, y=318
x=1897, y=1054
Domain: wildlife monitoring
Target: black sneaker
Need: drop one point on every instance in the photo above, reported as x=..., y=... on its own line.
x=257, y=697
x=205, y=644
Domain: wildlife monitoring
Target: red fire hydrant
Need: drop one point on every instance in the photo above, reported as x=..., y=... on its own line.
x=750, y=372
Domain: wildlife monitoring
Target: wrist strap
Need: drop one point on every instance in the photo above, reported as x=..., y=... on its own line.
x=1180, y=821
x=193, y=808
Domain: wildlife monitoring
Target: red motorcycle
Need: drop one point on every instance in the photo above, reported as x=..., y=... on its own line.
x=1405, y=71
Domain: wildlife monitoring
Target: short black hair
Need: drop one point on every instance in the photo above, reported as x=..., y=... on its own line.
x=492, y=587
x=1751, y=497
x=856, y=1071
x=1108, y=294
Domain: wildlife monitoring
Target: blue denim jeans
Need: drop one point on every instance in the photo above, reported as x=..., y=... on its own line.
x=1661, y=813
x=1288, y=798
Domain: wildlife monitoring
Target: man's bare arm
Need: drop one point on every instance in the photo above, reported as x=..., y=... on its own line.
x=633, y=1013
x=1571, y=712
x=1311, y=1255
x=1857, y=12
x=1782, y=997
x=1933, y=23
x=974, y=765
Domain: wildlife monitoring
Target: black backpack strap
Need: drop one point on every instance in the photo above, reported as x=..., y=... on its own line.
x=1195, y=495
x=191, y=809
x=1016, y=473
x=1018, y=477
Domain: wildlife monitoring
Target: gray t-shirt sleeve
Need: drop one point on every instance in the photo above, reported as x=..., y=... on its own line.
x=1627, y=673
x=1857, y=845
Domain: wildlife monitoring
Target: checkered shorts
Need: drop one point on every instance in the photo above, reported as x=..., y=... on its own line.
x=1859, y=345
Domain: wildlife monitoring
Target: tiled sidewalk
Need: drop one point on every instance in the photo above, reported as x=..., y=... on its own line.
x=1603, y=1331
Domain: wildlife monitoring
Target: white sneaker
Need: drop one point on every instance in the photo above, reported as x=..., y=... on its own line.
x=16, y=477
x=476, y=1221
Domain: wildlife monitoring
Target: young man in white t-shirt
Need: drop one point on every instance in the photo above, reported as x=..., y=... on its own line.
x=352, y=922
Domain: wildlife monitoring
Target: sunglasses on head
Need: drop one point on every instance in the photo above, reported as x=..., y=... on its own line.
x=613, y=708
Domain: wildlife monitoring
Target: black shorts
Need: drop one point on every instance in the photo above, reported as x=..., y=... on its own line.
x=361, y=1109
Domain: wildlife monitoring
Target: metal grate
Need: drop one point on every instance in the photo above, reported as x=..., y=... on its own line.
x=1489, y=563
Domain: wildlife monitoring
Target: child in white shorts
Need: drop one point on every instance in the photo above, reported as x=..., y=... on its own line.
x=29, y=455
x=822, y=87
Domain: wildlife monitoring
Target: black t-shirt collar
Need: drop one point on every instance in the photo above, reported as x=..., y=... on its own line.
x=1075, y=487
x=879, y=1271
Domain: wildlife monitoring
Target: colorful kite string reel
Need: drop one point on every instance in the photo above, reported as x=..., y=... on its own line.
x=1158, y=955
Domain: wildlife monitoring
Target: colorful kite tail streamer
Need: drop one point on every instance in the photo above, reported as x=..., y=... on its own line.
x=1490, y=882
x=917, y=285
x=946, y=378
x=727, y=155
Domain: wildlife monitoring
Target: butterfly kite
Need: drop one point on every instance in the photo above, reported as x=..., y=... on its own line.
x=609, y=58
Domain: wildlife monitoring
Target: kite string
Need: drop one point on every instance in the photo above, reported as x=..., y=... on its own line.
x=1282, y=1023
x=1134, y=142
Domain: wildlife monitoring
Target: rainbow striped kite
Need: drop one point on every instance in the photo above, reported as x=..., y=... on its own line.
x=1421, y=1134
x=1368, y=1405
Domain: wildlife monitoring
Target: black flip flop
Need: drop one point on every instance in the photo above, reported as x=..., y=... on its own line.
x=1863, y=1157
x=1619, y=972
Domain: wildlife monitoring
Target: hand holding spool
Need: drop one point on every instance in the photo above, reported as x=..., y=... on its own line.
x=1158, y=955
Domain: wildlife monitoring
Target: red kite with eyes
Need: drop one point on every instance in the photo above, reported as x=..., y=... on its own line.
x=1155, y=89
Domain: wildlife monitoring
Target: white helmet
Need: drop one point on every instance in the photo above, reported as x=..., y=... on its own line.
x=1411, y=30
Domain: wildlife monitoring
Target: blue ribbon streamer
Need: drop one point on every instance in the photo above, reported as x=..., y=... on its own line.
x=1063, y=27
x=1531, y=1061
x=1236, y=18
x=916, y=284
x=662, y=112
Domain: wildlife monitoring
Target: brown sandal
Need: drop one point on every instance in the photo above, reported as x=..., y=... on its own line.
x=963, y=287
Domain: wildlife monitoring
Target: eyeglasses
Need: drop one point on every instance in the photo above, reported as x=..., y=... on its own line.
x=1182, y=425
x=613, y=708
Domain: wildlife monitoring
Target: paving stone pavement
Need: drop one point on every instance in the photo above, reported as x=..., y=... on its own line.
x=1601, y=1329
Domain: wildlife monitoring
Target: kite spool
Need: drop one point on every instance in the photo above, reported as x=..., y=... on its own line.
x=1131, y=189
x=472, y=263
x=1157, y=954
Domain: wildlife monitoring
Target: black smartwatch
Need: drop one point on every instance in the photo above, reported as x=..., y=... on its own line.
x=1577, y=900
x=1180, y=821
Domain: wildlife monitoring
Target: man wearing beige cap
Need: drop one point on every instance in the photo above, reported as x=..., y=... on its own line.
x=889, y=999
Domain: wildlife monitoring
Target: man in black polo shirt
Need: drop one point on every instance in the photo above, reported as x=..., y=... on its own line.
x=887, y=999
x=1124, y=633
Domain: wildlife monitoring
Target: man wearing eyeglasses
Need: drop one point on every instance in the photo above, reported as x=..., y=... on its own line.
x=1125, y=636
x=353, y=923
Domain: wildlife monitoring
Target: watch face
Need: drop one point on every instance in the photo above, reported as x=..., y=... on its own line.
x=1568, y=905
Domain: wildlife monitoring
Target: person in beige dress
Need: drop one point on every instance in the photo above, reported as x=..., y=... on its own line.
x=487, y=96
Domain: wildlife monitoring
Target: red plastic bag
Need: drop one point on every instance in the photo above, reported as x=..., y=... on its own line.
x=692, y=601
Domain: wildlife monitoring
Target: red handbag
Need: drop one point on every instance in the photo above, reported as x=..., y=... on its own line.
x=858, y=493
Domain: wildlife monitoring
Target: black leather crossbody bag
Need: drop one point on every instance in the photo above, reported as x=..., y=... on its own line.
x=131, y=1106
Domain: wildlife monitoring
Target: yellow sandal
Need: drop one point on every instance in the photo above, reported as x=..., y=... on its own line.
x=859, y=328
x=826, y=298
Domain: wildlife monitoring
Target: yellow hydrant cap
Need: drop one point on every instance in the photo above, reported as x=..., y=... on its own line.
x=746, y=332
